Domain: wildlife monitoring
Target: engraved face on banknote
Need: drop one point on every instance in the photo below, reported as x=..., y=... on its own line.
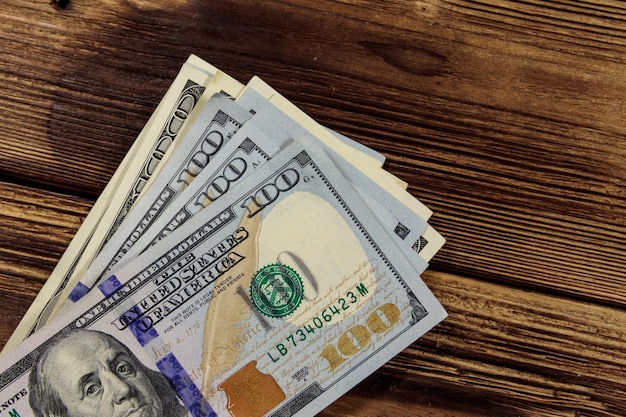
x=85, y=373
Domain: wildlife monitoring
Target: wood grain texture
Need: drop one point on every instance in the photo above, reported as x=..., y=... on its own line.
x=505, y=117
x=35, y=228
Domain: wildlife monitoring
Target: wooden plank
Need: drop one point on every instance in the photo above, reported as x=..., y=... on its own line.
x=417, y=55
x=35, y=228
x=71, y=118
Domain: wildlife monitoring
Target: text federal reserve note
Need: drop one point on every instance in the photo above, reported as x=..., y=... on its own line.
x=213, y=127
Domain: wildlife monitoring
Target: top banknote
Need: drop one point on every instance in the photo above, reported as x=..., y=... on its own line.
x=272, y=300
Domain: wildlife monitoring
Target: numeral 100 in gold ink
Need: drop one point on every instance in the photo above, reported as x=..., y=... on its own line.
x=358, y=337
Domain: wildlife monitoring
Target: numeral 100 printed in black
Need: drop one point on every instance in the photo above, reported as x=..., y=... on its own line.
x=270, y=191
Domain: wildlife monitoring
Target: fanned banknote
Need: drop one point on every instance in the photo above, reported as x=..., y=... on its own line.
x=370, y=166
x=163, y=189
x=274, y=301
x=243, y=261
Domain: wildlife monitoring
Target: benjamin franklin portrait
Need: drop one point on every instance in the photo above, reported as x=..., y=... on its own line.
x=85, y=373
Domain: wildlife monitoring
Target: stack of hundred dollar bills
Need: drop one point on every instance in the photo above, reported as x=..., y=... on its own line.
x=243, y=260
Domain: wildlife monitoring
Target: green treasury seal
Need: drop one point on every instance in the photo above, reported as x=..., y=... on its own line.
x=276, y=290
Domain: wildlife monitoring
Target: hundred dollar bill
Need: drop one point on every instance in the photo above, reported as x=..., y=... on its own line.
x=407, y=228
x=212, y=129
x=257, y=91
x=221, y=83
x=151, y=144
x=129, y=191
x=380, y=158
x=152, y=202
x=413, y=235
x=255, y=97
x=339, y=143
x=144, y=214
x=145, y=168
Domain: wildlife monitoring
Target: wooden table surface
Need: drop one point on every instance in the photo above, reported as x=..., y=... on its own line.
x=506, y=118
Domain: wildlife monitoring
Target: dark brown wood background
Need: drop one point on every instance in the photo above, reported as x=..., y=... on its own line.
x=507, y=118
